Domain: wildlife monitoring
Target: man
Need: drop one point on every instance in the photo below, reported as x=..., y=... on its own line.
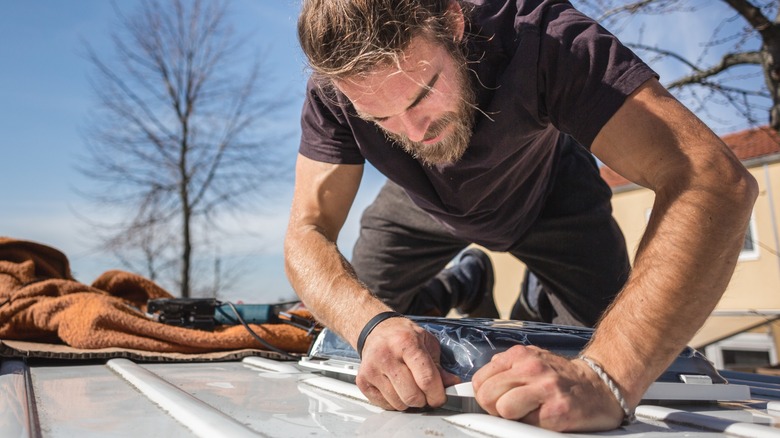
x=476, y=111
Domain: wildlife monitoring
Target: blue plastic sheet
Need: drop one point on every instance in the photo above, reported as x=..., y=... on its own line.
x=468, y=344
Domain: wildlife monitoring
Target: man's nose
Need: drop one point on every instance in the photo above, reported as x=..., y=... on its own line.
x=415, y=125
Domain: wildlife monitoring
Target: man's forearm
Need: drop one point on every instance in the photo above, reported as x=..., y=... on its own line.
x=326, y=283
x=682, y=268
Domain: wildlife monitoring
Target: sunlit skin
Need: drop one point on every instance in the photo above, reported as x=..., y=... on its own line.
x=423, y=102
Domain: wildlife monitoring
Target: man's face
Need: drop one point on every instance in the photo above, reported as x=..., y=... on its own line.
x=425, y=103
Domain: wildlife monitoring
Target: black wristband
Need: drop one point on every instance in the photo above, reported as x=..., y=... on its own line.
x=371, y=325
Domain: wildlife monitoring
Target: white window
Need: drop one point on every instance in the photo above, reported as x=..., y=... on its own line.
x=743, y=352
x=750, y=246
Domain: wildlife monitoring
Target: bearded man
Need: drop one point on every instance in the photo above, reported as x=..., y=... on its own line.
x=483, y=114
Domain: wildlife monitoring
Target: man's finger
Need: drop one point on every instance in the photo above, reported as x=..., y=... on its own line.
x=448, y=379
x=492, y=389
x=404, y=384
x=519, y=402
x=388, y=395
x=425, y=374
x=374, y=395
x=500, y=363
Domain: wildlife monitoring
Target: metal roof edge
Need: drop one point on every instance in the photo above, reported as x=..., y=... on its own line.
x=765, y=159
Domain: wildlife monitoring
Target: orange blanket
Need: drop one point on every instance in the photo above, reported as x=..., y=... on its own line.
x=40, y=301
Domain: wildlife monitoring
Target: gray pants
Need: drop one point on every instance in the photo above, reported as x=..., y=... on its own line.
x=574, y=250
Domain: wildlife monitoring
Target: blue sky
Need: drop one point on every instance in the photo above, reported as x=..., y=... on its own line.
x=44, y=100
x=45, y=97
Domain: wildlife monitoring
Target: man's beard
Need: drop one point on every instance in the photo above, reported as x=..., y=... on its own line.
x=461, y=122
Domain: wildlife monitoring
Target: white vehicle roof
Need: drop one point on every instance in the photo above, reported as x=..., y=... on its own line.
x=315, y=396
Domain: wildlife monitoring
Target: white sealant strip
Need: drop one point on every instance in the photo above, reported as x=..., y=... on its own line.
x=15, y=415
x=338, y=387
x=344, y=389
x=198, y=416
x=708, y=422
x=498, y=427
x=270, y=365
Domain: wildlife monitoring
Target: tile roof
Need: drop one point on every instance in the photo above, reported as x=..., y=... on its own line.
x=748, y=144
x=754, y=143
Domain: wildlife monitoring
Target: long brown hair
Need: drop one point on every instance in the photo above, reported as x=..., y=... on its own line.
x=347, y=38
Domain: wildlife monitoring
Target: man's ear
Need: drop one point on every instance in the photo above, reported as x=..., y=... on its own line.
x=457, y=20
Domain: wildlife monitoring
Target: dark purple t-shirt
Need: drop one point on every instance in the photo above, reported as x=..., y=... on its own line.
x=544, y=69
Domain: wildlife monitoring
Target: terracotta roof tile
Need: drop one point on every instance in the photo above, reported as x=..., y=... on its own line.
x=753, y=143
x=747, y=144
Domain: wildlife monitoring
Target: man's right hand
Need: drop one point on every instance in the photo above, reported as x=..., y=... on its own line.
x=400, y=367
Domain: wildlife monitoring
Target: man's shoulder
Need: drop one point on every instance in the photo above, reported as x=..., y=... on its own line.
x=518, y=7
x=509, y=18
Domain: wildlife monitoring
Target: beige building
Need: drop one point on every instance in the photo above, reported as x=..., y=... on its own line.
x=739, y=334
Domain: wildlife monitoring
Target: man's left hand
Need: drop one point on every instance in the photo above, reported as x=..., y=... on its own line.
x=543, y=389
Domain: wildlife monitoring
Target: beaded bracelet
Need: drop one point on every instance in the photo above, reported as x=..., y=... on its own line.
x=370, y=325
x=628, y=414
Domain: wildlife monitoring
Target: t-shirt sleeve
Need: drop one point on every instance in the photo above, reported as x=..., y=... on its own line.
x=585, y=73
x=325, y=134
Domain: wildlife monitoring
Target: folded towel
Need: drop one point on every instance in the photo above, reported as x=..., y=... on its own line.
x=40, y=301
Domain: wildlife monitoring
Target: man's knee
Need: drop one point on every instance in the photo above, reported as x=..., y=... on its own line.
x=538, y=302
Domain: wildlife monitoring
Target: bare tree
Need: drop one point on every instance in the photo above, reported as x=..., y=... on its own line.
x=181, y=134
x=742, y=49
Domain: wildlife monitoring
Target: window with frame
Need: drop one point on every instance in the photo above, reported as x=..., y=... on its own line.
x=750, y=245
x=743, y=352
